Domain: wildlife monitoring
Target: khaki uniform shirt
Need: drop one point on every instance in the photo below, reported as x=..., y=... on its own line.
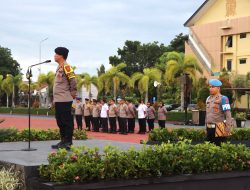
x=64, y=88
x=78, y=108
x=118, y=110
x=87, y=109
x=217, y=111
x=112, y=110
x=162, y=111
x=150, y=112
x=96, y=111
x=131, y=111
x=123, y=110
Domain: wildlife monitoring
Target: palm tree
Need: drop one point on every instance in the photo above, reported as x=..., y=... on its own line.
x=7, y=87
x=113, y=78
x=178, y=66
x=86, y=80
x=144, y=78
x=47, y=79
x=16, y=81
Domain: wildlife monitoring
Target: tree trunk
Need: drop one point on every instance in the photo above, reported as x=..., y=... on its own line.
x=146, y=97
x=7, y=100
x=182, y=91
x=13, y=97
x=47, y=99
x=90, y=92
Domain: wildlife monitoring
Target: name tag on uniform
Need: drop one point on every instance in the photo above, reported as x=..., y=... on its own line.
x=225, y=103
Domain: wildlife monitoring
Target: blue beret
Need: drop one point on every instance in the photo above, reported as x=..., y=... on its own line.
x=78, y=98
x=215, y=82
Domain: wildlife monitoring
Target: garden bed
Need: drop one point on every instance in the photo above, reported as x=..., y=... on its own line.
x=229, y=181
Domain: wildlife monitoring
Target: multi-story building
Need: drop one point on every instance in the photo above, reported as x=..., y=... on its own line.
x=219, y=36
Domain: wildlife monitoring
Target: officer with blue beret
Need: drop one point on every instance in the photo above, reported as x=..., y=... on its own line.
x=218, y=114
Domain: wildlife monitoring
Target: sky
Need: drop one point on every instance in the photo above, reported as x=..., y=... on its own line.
x=92, y=30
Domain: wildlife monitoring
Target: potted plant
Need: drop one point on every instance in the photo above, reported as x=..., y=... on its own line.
x=240, y=118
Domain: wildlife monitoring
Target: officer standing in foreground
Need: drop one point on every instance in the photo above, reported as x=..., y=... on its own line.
x=64, y=91
x=217, y=110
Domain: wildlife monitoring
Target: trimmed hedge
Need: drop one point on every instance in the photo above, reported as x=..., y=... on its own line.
x=12, y=134
x=34, y=111
x=88, y=164
x=165, y=135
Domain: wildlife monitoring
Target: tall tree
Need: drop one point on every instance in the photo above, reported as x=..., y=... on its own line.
x=7, y=87
x=86, y=80
x=16, y=80
x=7, y=64
x=47, y=79
x=178, y=65
x=138, y=56
x=144, y=79
x=113, y=78
x=178, y=43
x=101, y=70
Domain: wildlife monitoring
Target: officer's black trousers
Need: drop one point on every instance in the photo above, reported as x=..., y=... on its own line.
x=131, y=124
x=87, y=121
x=112, y=123
x=161, y=123
x=104, y=122
x=119, y=124
x=211, y=137
x=123, y=125
x=96, y=123
x=150, y=124
x=65, y=120
x=79, y=121
x=142, y=125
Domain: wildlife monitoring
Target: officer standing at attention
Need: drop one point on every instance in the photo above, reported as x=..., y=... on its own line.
x=87, y=110
x=64, y=91
x=217, y=110
x=78, y=113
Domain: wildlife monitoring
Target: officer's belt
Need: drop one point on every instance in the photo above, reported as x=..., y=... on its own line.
x=210, y=125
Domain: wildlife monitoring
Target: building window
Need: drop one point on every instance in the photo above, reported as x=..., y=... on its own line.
x=243, y=35
x=229, y=41
x=229, y=65
x=243, y=61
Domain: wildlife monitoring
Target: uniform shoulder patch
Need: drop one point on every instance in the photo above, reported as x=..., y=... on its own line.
x=225, y=103
x=69, y=71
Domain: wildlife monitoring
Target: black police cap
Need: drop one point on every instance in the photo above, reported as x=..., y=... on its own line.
x=62, y=51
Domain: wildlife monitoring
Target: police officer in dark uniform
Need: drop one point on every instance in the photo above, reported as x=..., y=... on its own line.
x=218, y=112
x=64, y=91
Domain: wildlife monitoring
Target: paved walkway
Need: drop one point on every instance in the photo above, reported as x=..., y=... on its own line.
x=44, y=122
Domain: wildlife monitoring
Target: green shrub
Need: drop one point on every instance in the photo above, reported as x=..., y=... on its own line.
x=12, y=134
x=165, y=135
x=9, y=179
x=88, y=164
x=34, y=111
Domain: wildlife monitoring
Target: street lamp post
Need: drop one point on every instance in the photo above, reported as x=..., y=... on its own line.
x=40, y=52
x=39, y=69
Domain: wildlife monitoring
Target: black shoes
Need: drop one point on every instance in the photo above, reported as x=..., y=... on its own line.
x=62, y=144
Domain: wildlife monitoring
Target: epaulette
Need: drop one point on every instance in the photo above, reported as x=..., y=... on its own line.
x=69, y=71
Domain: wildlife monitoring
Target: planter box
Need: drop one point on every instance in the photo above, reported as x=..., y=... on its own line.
x=228, y=181
x=240, y=123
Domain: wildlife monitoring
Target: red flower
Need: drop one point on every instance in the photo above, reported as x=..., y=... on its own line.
x=73, y=157
x=53, y=153
x=77, y=178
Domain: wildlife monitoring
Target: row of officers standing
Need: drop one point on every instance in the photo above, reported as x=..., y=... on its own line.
x=97, y=114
